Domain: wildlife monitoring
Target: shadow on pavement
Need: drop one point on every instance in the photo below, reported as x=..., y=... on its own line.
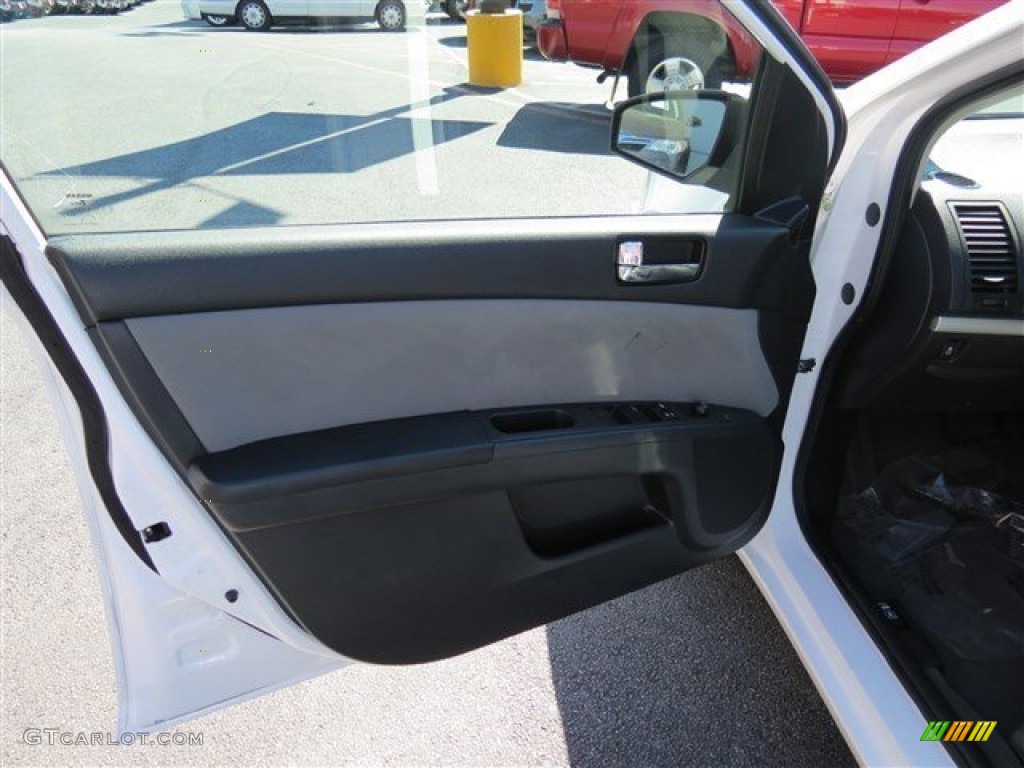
x=530, y=52
x=551, y=126
x=444, y=21
x=283, y=143
x=454, y=41
x=273, y=144
x=186, y=28
x=299, y=27
x=183, y=24
x=243, y=214
x=694, y=671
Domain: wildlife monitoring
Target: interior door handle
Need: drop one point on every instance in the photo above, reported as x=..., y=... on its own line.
x=631, y=267
x=658, y=273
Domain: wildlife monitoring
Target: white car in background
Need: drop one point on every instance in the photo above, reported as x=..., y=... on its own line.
x=260, y=15
x=190, y=8
x=303, y=446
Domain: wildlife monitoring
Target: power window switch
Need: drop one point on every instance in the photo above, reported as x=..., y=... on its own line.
x=666, y=412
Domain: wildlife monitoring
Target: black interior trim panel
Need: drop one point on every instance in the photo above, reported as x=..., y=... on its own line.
x=151, y=403
x=388, y=588
x=112, y=277
x=416, y=539
x=296, y=478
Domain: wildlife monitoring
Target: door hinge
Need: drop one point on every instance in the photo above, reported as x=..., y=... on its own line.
x=806, y=365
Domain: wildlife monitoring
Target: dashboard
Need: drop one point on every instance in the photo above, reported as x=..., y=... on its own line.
x=947, y=332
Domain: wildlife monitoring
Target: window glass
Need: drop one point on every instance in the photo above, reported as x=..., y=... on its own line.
x=984, y=149
x=168, y=116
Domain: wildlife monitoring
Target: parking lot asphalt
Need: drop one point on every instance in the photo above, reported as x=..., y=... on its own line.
x=147, y=120
x=314, y=125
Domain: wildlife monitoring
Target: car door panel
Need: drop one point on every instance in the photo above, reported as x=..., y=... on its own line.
x=351, y=362
x=289, y=8
x=568, y=438
x=535, y=318
x=116, y=276
x=398, y=442
x=328, y=9
x=508, y=529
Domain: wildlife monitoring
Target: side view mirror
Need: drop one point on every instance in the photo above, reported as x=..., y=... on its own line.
x=676, y=133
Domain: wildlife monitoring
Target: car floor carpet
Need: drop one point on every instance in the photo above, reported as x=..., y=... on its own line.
x=941, y=538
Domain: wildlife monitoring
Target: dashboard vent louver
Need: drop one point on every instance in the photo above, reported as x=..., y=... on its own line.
x=990, y=248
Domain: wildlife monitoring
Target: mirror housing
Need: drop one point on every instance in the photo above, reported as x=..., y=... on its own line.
x=676, y=133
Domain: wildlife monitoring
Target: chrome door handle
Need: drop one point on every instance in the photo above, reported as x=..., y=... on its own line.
x=658, y=273
x=631, y=267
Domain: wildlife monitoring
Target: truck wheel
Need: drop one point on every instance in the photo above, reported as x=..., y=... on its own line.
x=675, y=73
x=653, y=70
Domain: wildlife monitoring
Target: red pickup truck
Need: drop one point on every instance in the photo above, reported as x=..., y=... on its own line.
x=851, y=39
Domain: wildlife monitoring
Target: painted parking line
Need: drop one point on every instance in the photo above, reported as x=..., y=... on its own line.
x=230, y=169
x=498, y=98
x=418, y=57
x=511, y=98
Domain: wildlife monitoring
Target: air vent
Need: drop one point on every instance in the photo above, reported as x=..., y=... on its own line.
x=990, y=248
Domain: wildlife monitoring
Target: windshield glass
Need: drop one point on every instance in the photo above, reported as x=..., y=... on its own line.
x=1009, y=107
x=985, y=148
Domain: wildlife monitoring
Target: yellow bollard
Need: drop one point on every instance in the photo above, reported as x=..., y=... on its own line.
x=495, y=43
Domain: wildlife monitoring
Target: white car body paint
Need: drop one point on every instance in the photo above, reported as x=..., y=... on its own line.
x=182, y=650
x=281, y=9
x=880, y=721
